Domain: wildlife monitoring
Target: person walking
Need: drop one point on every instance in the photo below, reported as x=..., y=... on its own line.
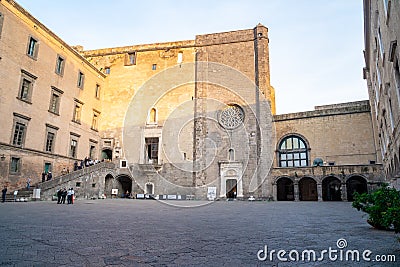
x=3, y=194
x=43, y=177
x=72, y=195
x=49, y=176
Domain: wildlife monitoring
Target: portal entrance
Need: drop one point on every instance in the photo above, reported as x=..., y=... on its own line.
x=151, y=150
x=285, y=189
x=231, y=188
x=331, y=189
x=124, y=186
x=308, y=189
x=106, y=154
x=356, y=184
x=150, y=188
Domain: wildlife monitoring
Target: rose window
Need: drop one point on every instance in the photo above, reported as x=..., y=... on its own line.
x=231, y=117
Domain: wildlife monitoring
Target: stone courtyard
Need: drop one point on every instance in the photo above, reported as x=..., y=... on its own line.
x=118, y=232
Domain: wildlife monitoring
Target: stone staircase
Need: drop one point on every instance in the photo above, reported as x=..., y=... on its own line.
x=23, y=195
x=62, y=180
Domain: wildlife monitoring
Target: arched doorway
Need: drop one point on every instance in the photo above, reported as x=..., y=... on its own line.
x=108, y=185
x=124, y=185
x=285, y=189
x=308, y=189
x=231, y=188
x=331, y=189
x=106, y=154
x=149, y=188
x=356, y=184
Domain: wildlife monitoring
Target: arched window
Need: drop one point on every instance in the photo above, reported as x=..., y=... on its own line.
x=231, y=154
x=293, y=152
x=153, y=116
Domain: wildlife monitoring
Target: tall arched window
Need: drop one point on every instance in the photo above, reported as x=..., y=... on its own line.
x=231, y=154
x=153, y=116
x=293, y=152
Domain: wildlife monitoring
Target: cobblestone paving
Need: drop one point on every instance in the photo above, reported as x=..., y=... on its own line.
x=149, y=233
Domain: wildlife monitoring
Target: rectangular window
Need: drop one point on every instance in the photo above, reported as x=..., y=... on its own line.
x=55, y=100
x=33, y=47
x=154, y=67
x=51, y=132
x=73, y=147
x=50, y=142
x=19, y=134
x=92, y=149
x=81, y=79
x=97, y=91
x=15, y=165
x=152, y=150
x=107, y=70
x=180, y=57
x=60, y=65
x=77, y=111
x=47, y=167
x=95, y=120
x=19, y=129
x=130, y=58
x=25, y=89
x=78, y=184
x=26, y=86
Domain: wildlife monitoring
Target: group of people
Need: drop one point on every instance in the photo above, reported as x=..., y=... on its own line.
x=63, y=194
x=46, y=176
x=85, y=163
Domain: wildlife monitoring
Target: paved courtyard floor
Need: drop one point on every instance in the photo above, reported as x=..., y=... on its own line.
x=150, y=233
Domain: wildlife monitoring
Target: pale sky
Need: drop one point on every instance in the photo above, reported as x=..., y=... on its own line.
x=316, y=46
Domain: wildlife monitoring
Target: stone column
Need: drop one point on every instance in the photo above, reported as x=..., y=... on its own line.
x=296, y=191
x=344, y=191
x=319, y=191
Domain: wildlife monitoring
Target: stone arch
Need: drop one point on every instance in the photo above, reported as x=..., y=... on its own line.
x=297, y=155
x=285, y=189
x=331, y=189
x=152, y=117
x=308, y=189
x=356, y=183
x=124, y=184
x=149, y=188
x=108, y=184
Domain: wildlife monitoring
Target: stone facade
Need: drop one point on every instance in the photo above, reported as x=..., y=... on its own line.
x=382, y=73
x=39, y=93
x=191, y=118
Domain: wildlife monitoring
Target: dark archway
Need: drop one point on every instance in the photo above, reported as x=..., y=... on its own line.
x=231, y=188
x=356, y=184
x=331, y=189
x=285, y=189
x=108, y=185
x=308, y=189
x=106, y=154
x=124, y=185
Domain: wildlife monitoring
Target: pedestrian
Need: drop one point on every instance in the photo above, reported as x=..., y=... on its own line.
x=28, y=183
x=75, y=166
x=72, y=195
x=59, y=195
x=49, y=176
x=67, y=170
x=3, y=194
x=69, y=196
x=15, y=195
x=43, y=177
x=63, y=195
